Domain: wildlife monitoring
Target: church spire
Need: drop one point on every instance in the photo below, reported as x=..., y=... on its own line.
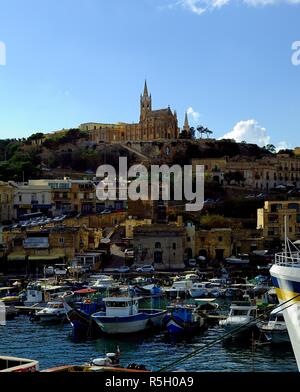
x=186, y=125
x=146, y=103
x=145, y=89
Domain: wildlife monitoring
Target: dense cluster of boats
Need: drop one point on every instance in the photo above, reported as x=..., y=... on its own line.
x=105, y=305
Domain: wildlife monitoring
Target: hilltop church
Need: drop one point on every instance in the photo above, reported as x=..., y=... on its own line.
x=153, y=125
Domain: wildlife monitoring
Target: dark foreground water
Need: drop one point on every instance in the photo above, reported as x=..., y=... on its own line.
x=52, y=346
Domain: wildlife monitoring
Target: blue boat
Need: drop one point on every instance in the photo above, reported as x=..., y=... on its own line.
x=183, y=319
x=122, y=316
x=80, y=318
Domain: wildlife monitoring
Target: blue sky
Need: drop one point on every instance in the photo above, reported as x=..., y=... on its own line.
x=226, y=61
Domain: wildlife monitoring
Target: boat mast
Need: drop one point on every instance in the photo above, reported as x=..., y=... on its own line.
x=285, y=236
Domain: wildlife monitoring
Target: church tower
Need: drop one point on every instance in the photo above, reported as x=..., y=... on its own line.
x=146, y=103
x=186, y=126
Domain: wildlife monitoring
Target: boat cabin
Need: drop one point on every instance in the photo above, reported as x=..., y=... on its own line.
x=121, y=306
x=182, y=284
x=243, y=308
x=41, y=292
x=185, y=313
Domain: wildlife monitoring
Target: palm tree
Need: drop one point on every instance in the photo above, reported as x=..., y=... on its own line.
x=200, y=129
x=207, y=132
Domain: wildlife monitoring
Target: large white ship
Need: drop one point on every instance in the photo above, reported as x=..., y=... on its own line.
x=285, y=275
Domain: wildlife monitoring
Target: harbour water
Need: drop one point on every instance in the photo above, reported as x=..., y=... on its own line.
x=52, y=346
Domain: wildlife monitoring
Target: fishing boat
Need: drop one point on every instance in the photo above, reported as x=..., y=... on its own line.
x=102, y=282
x=41, y=291
x=285, y=275
x=239, y=259
x=275, y=329
x=122, y=315
x=183, y=319
x=151, y=290
x=83, y=326
x=200, y=289
x=180, y=288
x=54, y=312
x=241, y=318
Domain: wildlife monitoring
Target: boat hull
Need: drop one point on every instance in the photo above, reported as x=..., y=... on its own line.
x=277, y=337
x=286, y=281
x=50, y=318
x=177, y=327
x=244, y=328
x=129, y=324
x=83, y=326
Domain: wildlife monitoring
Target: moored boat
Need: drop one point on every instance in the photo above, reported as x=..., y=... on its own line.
x=241, y=319
x=180, y=288
x=122, y=316
x=83, y=326
x=54, y=312
x=275, y=329
x=183, y=319
x=285, y=275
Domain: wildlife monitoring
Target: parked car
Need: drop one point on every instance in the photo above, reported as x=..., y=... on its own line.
x=123, y=269
x=146, y=268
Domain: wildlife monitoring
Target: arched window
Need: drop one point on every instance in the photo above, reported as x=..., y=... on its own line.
x=157, y=245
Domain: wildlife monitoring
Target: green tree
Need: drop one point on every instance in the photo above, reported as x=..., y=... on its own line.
x=271, y=148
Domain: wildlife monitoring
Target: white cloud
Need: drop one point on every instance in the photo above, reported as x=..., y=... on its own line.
x=283, y=145
x=249, y=131
x=198, y=7
x=193, y=115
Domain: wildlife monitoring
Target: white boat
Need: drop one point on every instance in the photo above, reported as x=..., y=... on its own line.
x=40, y=292
x=179, y=288
x=275, y=329
x=53, y=312
x=200, y=290
x=242, y=318
x=285, y=275
x=104, y=282
x=239, y=259
x=122, y=315
x=110, y=360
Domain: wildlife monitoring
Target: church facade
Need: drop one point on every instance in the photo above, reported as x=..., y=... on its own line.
x=153, y=125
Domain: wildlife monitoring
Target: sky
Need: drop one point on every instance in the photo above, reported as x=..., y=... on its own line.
x=228, y=63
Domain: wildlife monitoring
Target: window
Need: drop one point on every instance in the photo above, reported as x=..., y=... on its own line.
x=188, y=239
x=220, y=239
x=20, y=197
x=174, y=245
x=157, y=245
x=61, y=241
